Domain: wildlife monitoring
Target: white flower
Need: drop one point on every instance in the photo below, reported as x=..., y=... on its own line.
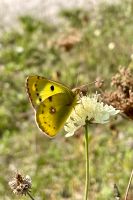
x=19, y=49
x=88, y=109
x=111, y=45
x=97, y=32
x=131, y=56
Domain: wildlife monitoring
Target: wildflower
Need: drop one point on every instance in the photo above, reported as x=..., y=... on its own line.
x=122, y=97
x=20, y=185
x=67, y=42
x=19, y=49
x=97, y=32
x=131, y=56
x=99, y=82
x=111, y=45
x=88, y=109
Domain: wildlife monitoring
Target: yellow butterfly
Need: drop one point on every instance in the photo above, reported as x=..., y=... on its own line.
x=52, y=102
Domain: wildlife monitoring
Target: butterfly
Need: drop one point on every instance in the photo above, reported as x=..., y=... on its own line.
x=52, y=101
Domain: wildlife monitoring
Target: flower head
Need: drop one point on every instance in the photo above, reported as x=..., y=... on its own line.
x=97, y=32
x=111, y=45
x=88, y=109
x=122, y=96
x=20, y=185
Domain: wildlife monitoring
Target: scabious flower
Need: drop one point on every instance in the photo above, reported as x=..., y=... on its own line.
x=88, y=109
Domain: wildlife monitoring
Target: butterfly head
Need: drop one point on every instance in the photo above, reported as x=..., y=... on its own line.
x=81, y=90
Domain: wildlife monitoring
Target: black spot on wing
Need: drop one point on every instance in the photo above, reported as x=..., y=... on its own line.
x=52, y=110
x=50, y=98
x=36, y=87
x=29, y=94
x=28, y=90
x=40, y=99
x=52, y=88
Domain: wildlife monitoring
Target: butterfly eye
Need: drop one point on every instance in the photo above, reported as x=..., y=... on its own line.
x=52, y=88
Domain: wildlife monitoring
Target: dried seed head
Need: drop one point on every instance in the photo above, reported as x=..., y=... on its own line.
x=20, y=185
x=99, y=82
x=67, y=42
x=122, y=97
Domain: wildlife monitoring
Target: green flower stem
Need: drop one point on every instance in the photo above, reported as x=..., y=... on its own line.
x=129, y=184
x=30, y=196
x=87, y=162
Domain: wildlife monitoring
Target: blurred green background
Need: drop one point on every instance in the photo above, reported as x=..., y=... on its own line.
x=86, y=45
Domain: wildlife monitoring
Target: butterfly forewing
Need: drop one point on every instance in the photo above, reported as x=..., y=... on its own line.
x=40, y=88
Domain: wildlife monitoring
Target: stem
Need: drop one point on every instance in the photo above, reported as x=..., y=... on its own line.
x=128, y=186
x=117, y=195
x=87, y=162
x=30, y=196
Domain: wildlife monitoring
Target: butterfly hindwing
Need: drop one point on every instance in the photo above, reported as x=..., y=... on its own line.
x=40, y=88
x=53, y=112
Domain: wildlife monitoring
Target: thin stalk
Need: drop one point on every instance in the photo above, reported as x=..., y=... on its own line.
x=87, y=162
x=117, y=194
x=30, y=196
x=128, y=186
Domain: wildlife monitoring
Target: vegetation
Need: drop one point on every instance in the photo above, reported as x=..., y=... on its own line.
x=85, y=46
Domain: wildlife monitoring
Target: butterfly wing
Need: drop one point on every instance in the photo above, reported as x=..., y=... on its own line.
x=52, y=113
x=40, y=88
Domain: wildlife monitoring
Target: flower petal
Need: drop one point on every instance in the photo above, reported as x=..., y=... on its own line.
x=91, y=109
